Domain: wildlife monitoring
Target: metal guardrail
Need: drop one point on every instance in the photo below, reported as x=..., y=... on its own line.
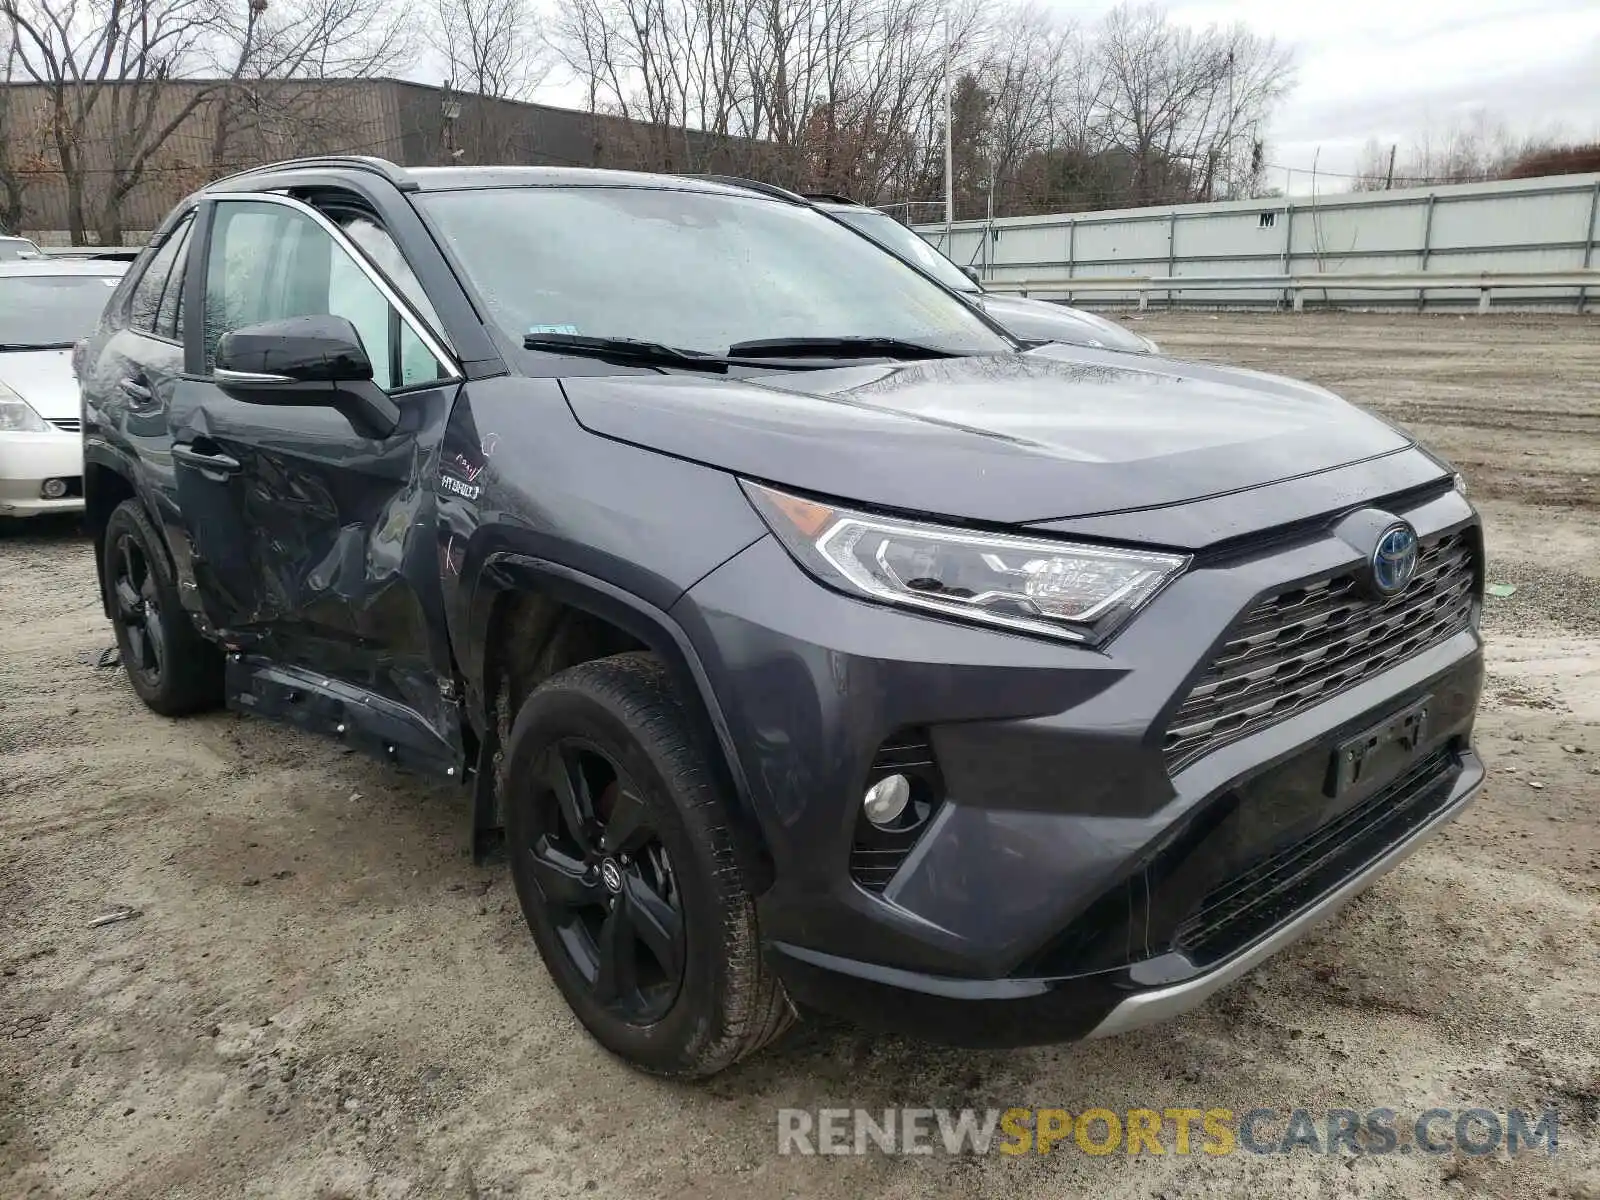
x=1296, y=286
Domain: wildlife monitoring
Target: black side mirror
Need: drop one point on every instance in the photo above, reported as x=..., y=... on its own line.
x=323, y=349
x=972, y=274
x=305, y=361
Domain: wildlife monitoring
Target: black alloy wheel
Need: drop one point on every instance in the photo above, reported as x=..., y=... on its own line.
x=172, y=668
x=607, y=882
x=626, y=870
x=138, y=608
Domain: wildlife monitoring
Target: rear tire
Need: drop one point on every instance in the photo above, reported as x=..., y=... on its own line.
x=624, y=865
x=172, y=668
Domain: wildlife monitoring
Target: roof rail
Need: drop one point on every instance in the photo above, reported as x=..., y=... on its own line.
x=350, y=162
x=832, y=198
x=754, y=185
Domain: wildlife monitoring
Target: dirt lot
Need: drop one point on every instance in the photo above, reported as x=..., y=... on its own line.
x=323, y=998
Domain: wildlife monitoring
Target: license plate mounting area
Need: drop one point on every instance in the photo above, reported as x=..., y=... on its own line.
x=1379, y=752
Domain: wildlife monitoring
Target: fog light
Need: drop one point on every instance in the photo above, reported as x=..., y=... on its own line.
x=886, y=800
x=53, y=489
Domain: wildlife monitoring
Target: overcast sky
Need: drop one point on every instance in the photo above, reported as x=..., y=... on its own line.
x=1390, y=69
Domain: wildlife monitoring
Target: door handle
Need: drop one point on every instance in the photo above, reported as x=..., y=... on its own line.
x=137, y=392
x=214, y=466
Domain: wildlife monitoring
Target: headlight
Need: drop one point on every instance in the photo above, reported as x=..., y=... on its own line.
x=16, y=416
x=1032, y=585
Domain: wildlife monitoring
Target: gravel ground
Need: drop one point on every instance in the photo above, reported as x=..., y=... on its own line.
x=322, y=997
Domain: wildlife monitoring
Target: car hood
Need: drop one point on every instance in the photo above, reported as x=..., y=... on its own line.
x=1007, y=439
x=1042, y=321
x=44, y=379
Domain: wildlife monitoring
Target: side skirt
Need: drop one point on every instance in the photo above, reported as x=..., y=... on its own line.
x=351, y=715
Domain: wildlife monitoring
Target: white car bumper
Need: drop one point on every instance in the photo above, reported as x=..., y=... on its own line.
x=27, y=460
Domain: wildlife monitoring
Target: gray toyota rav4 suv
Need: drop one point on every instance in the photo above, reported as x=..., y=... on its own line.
x=799, y=639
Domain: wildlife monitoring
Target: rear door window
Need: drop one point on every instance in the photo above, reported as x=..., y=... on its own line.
x=147, y=303
x=169, y=315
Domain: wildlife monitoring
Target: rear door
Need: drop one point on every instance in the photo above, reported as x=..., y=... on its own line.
x=129, y=372
x=315, y=555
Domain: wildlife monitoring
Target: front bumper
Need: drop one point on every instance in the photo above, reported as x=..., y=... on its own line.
x=1069, y=883
x=1027, y=1011
x=27, y=460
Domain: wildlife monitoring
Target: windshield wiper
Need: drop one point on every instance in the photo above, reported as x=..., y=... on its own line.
x=624, y=350
x=836, y=347
x=9, y=346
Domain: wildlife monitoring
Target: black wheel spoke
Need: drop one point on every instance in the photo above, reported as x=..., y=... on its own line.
x=564, y=880
x=591, y=867
x=155, y=639
x=655, y=922
x=139, y=645
x=128, y=603
x=618, y=977
x=628, y=829
x=129, y=570
x=564, y=774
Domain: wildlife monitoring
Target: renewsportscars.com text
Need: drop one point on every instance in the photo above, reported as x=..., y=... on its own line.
x=1212, y=1131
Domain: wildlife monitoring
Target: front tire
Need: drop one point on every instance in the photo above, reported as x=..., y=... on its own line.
x=625, y=869
x=172, y=668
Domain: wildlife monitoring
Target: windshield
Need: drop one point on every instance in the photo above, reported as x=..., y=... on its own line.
x=51, y=310
x=698, y=271
x=899, y=240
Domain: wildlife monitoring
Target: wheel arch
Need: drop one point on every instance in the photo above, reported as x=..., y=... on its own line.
x=108, y=481
x=516, y=590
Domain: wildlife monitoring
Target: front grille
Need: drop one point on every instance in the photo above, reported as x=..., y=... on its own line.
x=67, y=424
x=1303, y=646
x=1250, y=903
x=877, y=854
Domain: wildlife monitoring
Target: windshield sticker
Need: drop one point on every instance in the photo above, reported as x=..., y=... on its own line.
x=572, y=329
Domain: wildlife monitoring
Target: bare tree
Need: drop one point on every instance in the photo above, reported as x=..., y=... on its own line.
x=492, y=52
x=848, y=95
x=1026, y=72
x=823, y=93
x=487, y=45
x=122, y=87
x=678, y=73
x=273, y=58
x=1185, y=105
x=103, y=66
x=1480, y=146
x=17, y=167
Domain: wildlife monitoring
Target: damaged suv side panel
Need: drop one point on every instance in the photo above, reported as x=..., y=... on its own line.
x=298, y=538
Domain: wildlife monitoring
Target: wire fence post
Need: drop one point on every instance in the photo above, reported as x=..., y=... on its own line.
x=1588, y=243
x=1427, y=249
x=1172, y=249
x=1288, y=246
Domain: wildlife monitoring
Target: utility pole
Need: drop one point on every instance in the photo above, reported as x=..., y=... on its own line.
x=1227, y=140
x=1388, y=180
x=449, y=113
x=988, y=223
x=949, y=149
